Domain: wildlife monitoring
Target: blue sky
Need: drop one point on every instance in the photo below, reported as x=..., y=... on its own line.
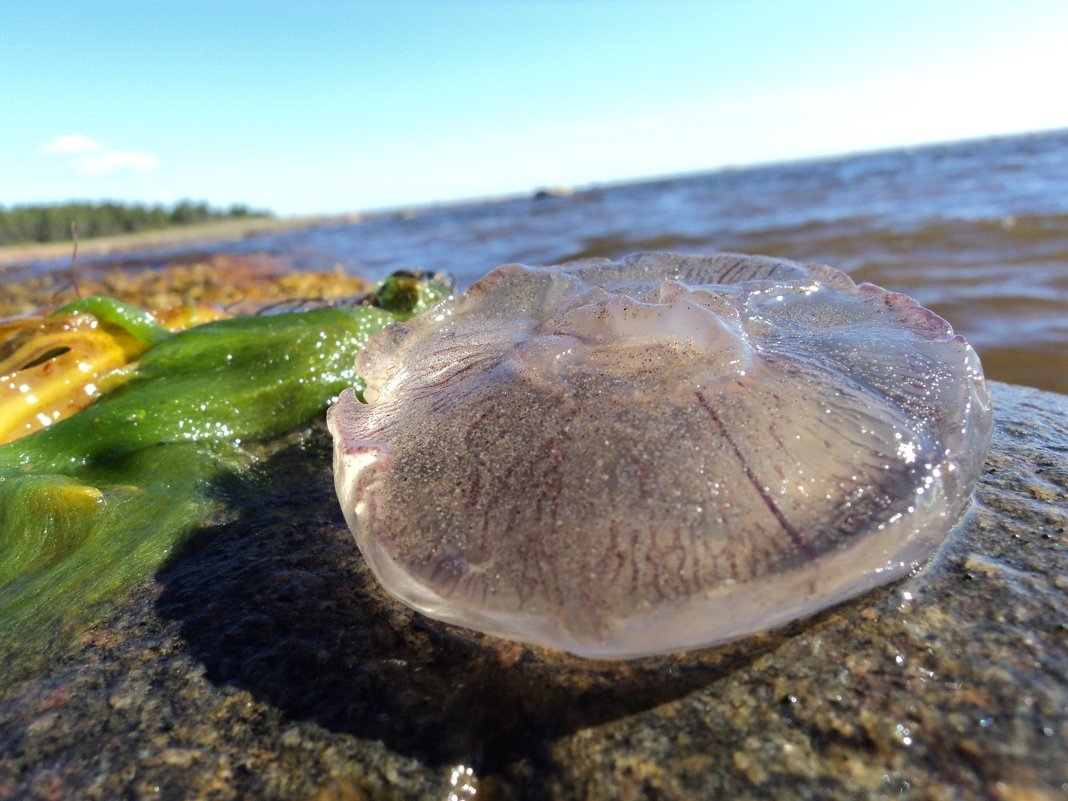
x=318, y=107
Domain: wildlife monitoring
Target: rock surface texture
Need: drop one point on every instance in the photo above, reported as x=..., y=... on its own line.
x=265, y=662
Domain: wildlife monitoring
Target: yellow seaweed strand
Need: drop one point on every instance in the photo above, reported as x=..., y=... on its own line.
x=51, y=368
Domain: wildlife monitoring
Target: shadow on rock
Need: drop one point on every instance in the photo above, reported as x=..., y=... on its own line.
x=278, y=601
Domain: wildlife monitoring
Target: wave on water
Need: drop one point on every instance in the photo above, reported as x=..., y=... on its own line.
x=977, y=231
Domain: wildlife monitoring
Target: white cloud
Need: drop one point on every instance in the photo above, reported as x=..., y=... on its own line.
x=94, y=158
x=115, y=160
x=72, y=143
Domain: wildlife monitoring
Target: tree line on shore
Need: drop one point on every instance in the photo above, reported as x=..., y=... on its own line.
x=52, y=222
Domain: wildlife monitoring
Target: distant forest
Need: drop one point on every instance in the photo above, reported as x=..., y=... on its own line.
x=52, y=223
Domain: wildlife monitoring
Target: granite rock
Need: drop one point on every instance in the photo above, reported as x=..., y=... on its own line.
x=265, y=662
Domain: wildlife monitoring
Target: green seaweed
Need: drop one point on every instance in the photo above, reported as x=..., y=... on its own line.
x=134, y=321
x=93, y=505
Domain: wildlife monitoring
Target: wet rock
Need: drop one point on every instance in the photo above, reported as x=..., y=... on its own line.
x=265, y=662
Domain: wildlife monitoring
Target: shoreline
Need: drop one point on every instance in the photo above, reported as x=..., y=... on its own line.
x=207, y=233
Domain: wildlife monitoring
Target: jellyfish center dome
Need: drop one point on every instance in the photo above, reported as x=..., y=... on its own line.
x=664, y=330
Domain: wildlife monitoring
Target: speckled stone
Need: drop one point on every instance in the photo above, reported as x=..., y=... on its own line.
x=264, y=662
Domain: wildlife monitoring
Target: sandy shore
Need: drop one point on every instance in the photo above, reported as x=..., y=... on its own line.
x=206, y=233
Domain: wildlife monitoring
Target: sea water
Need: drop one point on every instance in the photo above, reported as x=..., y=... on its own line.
x=976, y=231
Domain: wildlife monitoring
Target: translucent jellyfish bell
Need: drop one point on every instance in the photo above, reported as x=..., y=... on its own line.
x=664, y=453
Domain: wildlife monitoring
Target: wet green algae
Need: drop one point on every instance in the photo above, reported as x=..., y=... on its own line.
x=94, y=504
